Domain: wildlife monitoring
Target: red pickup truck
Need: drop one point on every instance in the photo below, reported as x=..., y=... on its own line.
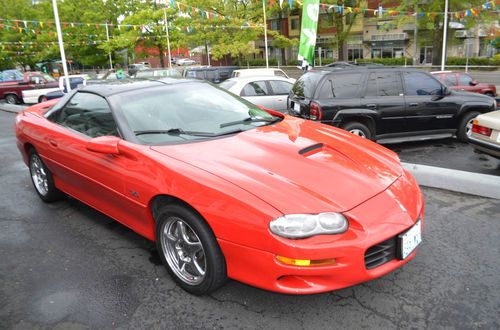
x=463, y=82
x=12, y=91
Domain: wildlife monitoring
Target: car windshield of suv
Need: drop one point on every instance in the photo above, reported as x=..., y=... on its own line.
x=306, y=84
x=188, y=112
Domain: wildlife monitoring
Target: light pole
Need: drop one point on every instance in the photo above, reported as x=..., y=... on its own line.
x=265, y=30
x=61, y=45
x=165, y=22
x=107, y=38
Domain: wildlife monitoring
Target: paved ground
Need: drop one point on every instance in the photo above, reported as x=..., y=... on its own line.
x=65, y=265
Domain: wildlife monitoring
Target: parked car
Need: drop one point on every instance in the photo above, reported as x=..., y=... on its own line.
x=215, y=74
x=134, y=68
x=383, y=103
x=260, y=72
x=13, y=91
x=224, y=188
x=485, y=133
x=11, y=76
x=464, y=82
x=185, y=61
x=74, y=82
x=157, y=73
x=269, y=92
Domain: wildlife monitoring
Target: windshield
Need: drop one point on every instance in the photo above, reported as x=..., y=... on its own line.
x=48, y=78
x=227, y=84
x=188, y=112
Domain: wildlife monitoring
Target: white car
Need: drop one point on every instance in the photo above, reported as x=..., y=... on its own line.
x=484, y=134
x=185, y=61
x=261, y=72
x=270, y=92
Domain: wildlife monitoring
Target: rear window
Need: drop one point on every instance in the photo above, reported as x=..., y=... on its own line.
x=306, y=84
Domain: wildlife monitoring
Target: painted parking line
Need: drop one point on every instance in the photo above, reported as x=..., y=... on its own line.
x=460, y=181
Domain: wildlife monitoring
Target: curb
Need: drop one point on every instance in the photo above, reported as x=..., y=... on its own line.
x=12, y=108
x=454, y=180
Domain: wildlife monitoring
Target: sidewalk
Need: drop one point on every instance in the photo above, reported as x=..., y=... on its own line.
x=14, y=108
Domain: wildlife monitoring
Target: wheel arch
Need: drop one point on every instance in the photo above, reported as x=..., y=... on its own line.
x=164, y=199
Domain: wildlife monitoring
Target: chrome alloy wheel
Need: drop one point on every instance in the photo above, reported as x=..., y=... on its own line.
x=358, y=132
x=38, y=175
x=183, y=251
x=468, y=127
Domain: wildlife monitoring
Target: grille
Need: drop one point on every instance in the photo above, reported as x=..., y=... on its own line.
x=381, y=253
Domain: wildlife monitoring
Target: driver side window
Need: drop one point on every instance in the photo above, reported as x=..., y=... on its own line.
x=88, y=114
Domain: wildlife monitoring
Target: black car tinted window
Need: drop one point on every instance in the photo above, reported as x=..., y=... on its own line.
x=306, y=84
x=384, y=84
x=255, y=88
x=88, y=114
x=419, y=83
x=345, y=85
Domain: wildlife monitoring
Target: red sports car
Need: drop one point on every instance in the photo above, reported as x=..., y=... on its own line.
x=224, y=188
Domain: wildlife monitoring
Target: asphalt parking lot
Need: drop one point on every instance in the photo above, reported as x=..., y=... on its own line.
x=65, y=265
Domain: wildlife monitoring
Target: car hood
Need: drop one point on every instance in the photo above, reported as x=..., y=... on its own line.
x=471, y=96
x=296, y=166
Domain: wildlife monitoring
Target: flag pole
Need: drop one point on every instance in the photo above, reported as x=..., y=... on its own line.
x=445, y=35
x=61, y=45
x=265, y=30
x=110, y=58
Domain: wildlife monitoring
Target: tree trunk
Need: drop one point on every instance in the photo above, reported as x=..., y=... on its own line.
x=283, y=57
x=339, y=30
x=437, y=44
x=162, y=60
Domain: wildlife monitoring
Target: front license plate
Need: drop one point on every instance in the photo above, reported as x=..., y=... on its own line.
x=409, y=240
x=296, y=107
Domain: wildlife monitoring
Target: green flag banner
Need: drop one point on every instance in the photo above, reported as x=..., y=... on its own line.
x=310, y=11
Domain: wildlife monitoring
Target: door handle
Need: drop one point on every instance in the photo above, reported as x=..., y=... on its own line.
x=413, y=104
x=279, y=100
x=371, y=105
x=53, y=142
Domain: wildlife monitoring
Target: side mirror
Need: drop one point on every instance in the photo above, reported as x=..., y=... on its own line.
x=104, y=145
x=473, y=83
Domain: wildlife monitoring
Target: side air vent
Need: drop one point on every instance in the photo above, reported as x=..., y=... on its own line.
x=311, y=148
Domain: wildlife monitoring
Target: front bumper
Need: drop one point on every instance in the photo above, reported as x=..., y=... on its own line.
x=390, y=213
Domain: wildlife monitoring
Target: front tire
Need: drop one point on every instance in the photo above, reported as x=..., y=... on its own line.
x=42, y=99
x=358, y=129
x=189, y=250
x=465, y=126
x=42, y=179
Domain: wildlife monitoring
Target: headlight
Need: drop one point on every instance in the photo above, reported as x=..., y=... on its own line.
x=307, y=225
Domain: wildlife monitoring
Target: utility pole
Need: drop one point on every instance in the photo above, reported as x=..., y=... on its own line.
x=61, y=45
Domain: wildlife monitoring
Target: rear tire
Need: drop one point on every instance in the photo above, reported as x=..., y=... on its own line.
x=42, y=99
x=465, y=126
x=189, y=250
x=11, y=99
x=42, y=179
x=358, y=129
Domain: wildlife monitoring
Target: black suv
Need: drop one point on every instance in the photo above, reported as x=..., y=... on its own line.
x=386, y=103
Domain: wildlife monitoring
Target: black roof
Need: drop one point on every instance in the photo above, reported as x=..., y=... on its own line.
x=112, y=87
x=210, y=68
x=324, y=70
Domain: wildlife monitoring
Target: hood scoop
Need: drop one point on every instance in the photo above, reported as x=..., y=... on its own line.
x=312, y=148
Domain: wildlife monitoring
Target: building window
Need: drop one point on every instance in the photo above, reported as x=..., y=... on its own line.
x=295, y=24
x=387, y=52
x=275, y=25
x=354, y=54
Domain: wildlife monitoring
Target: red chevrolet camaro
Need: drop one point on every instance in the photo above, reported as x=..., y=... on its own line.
x=224, y=188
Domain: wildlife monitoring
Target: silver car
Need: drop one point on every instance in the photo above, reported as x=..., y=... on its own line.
x=269, y=92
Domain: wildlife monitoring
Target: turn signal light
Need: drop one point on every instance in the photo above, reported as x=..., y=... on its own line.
x=315, y=111
x=480, y=129
x=306, y=262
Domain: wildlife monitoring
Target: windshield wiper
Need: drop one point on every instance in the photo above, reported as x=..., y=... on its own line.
x=250, y=120
x=174, y=131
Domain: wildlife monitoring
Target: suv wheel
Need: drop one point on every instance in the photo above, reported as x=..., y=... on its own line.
x=358, y=129
x=465, y=128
